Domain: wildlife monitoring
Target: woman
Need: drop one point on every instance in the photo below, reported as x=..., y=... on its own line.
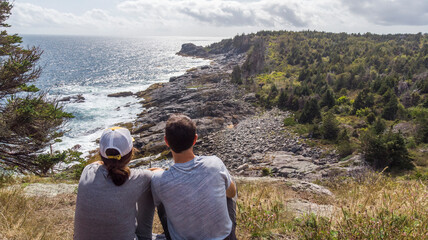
x=114, y=202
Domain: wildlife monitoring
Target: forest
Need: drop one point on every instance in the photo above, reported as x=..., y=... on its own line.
x=363, y=93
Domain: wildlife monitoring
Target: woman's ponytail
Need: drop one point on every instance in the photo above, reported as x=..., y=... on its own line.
x=118, y=170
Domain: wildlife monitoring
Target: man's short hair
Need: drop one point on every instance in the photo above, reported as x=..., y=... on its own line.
x=180, y=132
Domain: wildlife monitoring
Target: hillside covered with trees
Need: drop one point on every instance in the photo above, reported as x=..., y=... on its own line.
x=359, y=92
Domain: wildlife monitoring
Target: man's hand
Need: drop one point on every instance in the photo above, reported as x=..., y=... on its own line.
x=231, y=190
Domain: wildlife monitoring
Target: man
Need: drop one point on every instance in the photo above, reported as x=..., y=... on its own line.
x=197, y=191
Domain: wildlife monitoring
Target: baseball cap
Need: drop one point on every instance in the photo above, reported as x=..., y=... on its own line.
x=117, y=138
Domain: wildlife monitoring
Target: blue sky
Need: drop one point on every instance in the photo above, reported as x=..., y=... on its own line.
x=218, y=18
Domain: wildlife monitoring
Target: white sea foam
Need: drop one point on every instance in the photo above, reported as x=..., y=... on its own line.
x=95, y=67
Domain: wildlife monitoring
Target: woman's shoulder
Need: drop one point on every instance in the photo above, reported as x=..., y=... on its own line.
x=92, y=167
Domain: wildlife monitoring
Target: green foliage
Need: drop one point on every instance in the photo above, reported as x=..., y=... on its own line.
x=310, y=111
x=371, y=117
x=422, y=129
x=73, y=157
x=363, y=100
x=363, y=112
x=26, y=88
x=314, y=131
x=390, y=109
x=266, y=171
x=379, y=126
x=330, y=127
x=290, y=121
x=343, y=100
x=282, y=100
x=425, y=104
x=237, y=75
x=386, y=150
x=328, y=99
x=45, y=162
x=345, y=148
x=29, y=121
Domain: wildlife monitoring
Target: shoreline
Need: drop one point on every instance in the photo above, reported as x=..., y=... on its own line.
x=251, y=141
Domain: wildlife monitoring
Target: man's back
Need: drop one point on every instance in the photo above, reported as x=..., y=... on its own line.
x=194, y=196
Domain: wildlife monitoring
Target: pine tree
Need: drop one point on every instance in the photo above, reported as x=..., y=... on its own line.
x=30, y=122
x=310, y=111
x=328, y=99
x=390, y=109
x=282, y=100
x=330, y=127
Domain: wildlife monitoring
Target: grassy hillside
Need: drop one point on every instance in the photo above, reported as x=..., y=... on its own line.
x=372, y=206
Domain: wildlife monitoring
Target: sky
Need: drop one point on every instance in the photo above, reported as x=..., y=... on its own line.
x=216, y=18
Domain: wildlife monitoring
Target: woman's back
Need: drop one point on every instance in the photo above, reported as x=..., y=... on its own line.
x=107, y=211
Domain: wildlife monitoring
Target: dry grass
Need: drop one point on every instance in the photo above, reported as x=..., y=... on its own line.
x=23, y=217
x=370, y=207
x=373, y=207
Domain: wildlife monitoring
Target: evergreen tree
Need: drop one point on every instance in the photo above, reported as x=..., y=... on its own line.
x=364, y=99
x=386, y=150
x=310, y=111
x=328, y=99
x=390, y=109
x=282, y=100
x=330, y=126
x=379, y=126
x=237, y=75
x=28, y=122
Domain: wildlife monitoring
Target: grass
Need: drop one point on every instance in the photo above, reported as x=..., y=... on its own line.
x=371, y=206
x=23, y=217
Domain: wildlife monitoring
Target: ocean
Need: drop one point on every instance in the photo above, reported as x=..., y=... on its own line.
x=94, y=67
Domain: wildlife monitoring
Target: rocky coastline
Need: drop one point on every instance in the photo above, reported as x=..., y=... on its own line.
x=251, y=141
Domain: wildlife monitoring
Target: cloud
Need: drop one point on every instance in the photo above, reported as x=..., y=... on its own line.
x=221, y=17
x=30, y=16
x=263, y=13
x=391, y=12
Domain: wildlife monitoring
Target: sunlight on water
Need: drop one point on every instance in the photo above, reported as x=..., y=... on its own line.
x=97, y=66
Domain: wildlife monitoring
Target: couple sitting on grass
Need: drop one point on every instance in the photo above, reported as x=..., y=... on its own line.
x=194, y=198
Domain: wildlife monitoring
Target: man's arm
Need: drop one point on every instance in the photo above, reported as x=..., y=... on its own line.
x=231, y=190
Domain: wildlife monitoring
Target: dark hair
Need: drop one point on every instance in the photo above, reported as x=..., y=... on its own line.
x=118, y=170
x=180, y=132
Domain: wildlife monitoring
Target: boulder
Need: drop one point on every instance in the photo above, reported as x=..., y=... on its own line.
x=120, y=94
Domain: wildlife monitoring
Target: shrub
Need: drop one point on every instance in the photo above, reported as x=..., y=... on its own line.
x=364, y=99
x=282, y=100
x=310, y=111
x=46, y=161
x=345, y=148
x=266, y=171
x=371, y=118
x=289, y=121
x=422, y=129
x=314, y=131
x=390, y=109
x=386, y=150
x=330, y=127
x=363, y=112
x=236, y=75
x=379, y=126
x=343, y=100
x=328, y=99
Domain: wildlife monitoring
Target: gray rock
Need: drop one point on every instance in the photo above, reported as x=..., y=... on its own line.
x=303, y=186
x=120, y=94
x=302, y=207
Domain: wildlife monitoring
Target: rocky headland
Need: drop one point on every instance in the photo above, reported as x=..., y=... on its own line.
x=250, y=140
